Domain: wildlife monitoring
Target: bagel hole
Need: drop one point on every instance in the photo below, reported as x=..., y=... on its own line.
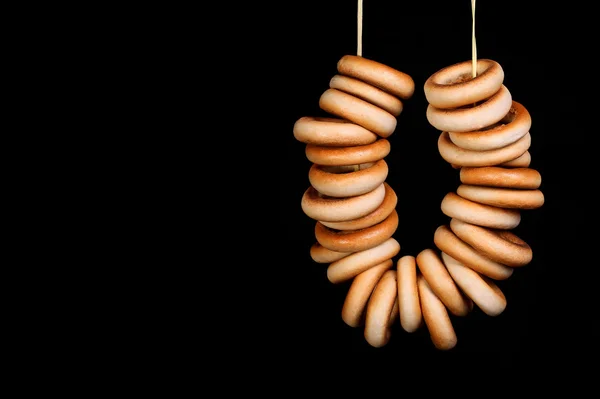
x=343, y=169
x=465, y=77
x=324, y=196
x=471, y=105
x=329, y=119
x=327, y=197
x=344, y=232
x=494, y=126
x=336, y=231
x=510, y=116
x=510, y=237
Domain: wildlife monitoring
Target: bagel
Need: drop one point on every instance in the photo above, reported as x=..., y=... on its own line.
x=353, y=310
x=436, y=317
x=353, y=155
x=495, y=176
x=448, y=242
x=454, y=86
x=512, y=127
x=323, y=208
x=472, y=212
x=361, y=112
x=483, y=291
x=367, y=92
x=352, y=265
x=470, y=118
x=356, y=240
x=377, y=74
x=440, y=282
x=501, y=246
x=331, y=132
x=459, y=156
x=347, y=181
x=380, y=310
x=408, y=294
x=502, y=197
x=378, y=215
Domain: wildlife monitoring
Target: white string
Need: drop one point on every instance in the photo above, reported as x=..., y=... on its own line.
x=359, y=29
x=473, y=44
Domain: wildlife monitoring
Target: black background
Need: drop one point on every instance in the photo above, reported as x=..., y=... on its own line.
x=420, y=38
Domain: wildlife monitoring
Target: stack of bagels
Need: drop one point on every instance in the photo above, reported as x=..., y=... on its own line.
x=484, y=133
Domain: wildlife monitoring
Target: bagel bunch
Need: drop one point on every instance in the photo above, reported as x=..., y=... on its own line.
x=353, y=207
x=485, y=134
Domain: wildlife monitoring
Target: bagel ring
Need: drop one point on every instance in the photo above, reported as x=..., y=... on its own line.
x=467, y=119
x=317, y=207
x=472, y=212
x=380, y=310
x=388, y=79
x=509, y=129
x=433, y=270
x=523, y=161
x=352, y=265
x=409, y=305
x=495, y=176
x=436, y=317
x=367, y=92
x=356, y=240
x=483, y=291
x=345, y=181
x=454, y=86
x=501, y=246
x=459, y=156
x=502, y=197
x=352, y=155
x=448, y=242
x=331, y=132
x=353, y=310
x=378, y=215
x=365, y=114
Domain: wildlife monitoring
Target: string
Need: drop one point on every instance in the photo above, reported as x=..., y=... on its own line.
x=359, y=18
x=473, y=43
x=359, y=29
